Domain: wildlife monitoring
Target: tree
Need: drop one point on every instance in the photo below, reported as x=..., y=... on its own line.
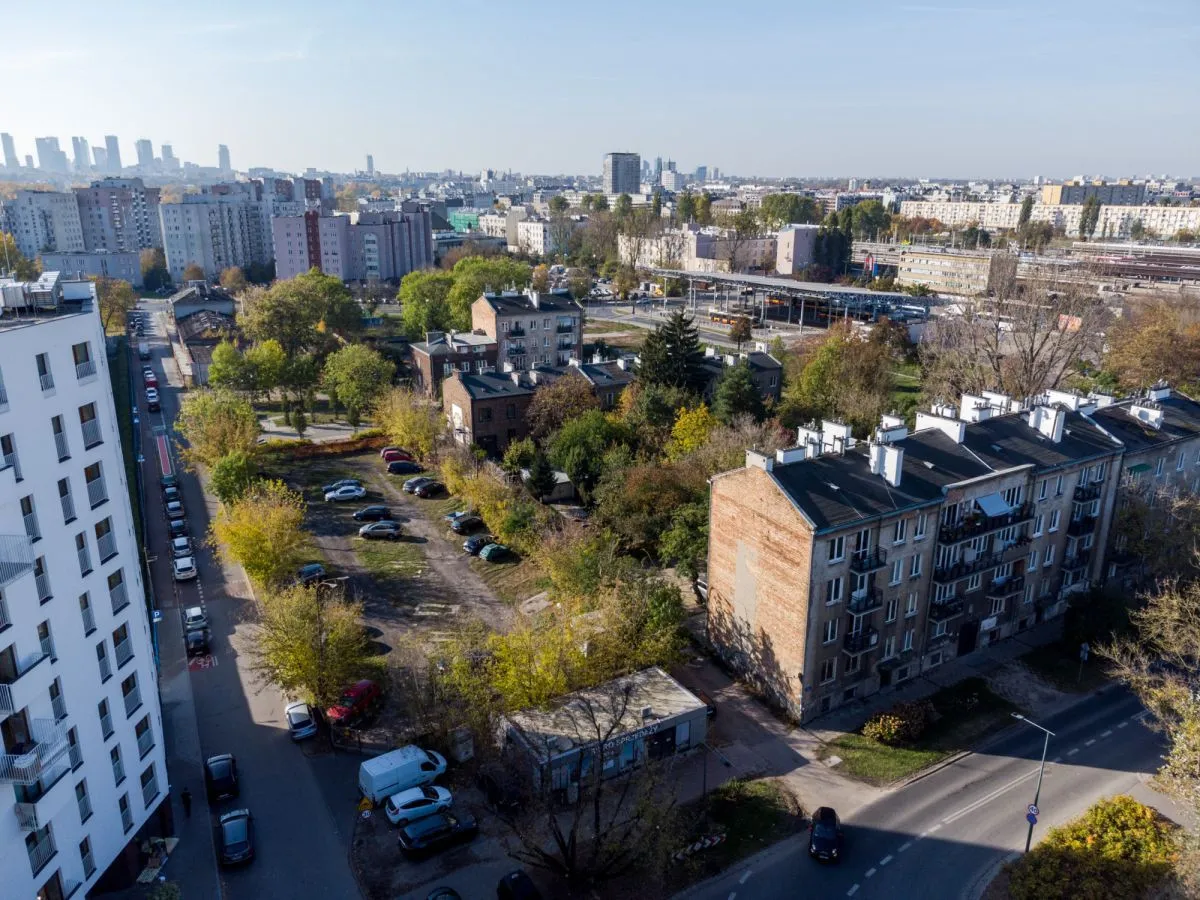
x=559, y=204
x=1089, y=217
x=741, y=228
x=423, y=302
x=848, y=377
x=685, y=542
x=737, y=394
x=357, y=376
x=541, y=481
x=540, y=278
x=310, y=642
x=233, y=279
x=741, y=331
x=580, y=285
x=115, y=298
x=580, y=444
x=154, y=269
x=625, y=282
x=232, y=476
x=685, y=206
x=637, y=503
x=778, y=210
x=474, y=275
x=215, y=423
x=1158, y=338
x=193, y=272
x=671, y=355
x=868, y=218
x=691, y=431
x=600, y=202
x=623, y=208
x=518, y=456
x=263, y=532
x=228, y=368
x=649, y=412
x=266, y=365
x=557, y=403
x=656, y=204
x=703, y=209
x=13, y=261
x=410, y=421
x=301, y=313
x=1025, y=213
x=1137, y=231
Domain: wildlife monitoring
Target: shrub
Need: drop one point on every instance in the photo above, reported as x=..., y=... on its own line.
x=902, y=724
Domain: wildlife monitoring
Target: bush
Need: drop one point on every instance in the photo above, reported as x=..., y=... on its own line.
x=902, y=724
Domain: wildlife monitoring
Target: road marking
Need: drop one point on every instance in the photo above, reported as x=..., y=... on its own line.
x=987, y=799
x=869, y=872
x=934, y=828
x=1089, y=743
x=887, y=859
x=853, y=890
x=744, y=877
x=1107, y=734
x=904, y=846
x=1072, y=751
x=1123, y=724
x=1140, y=716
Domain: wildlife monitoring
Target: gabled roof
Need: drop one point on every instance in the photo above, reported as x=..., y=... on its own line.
x=488, y=385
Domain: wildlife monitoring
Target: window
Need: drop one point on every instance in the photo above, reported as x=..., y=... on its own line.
x=1179, y=462
x=837, y=549
x=1043, y=488
x=897, y=570
x=1054, y=520
x=145, y=737
x=1028, y=593
x=908, y=640
x=910, y=605
x=90, y=426
x=102, y=659
x=1049, y=557
x=1038, y=522
x=83, y=801
x=1012, y=496
x=118, y=766
x=862, y=543
x=974, y=581
x=485, y=414
x=149, y=786
x=1158, y=467
x=106, y=726
x=914, y=570
x=889, y=613
x=829, y=632
x=510, y=411
x=1088, y=541
x=30, y=516
x=1033, y=560
x=43, y=370
x=85, y=857
x=901, y=531
x=85, y=613
x=1058, y=486
x=889, y=647
x=919, y=531
x=828, y=670
x=41, y=579
x=833, y=591
x=1100, y=472
x=939, y=628
x=64, y=497
x=60, y=438
x=126, y=815
x=106, y=540
x=997, y=605
x=122, y=645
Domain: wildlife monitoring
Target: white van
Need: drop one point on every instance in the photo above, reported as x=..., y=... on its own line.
x=398, y=770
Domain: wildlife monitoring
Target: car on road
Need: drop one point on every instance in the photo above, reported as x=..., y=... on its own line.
x=150, y=380
x=194, y=617
x=372, y=514
x=344, y=482
x=495, y=553
x=430, y=489
x=394, y=454
x=412, y=484
x=416, y=803
x=235, y=837
x=443, y=893
x=466, y=524
x=196, y=642
x=358, y=702
x=825, y=839
x=477, y=542
x=181, y=547
x=177, y=528
x=175, y=510
x=345, y=492
x=517, y=885
x=221, y=777
x=386, y=530
x=152, y=403
x=437, y=832
x=168, y=481
x=185, y=568
x=171, y=494
x=404, y=467
x=300, y=720
x=311, y=573
x=499, y=788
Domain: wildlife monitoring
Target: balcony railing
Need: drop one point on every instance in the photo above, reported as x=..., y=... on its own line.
x=1087, y=492
x=150, y=790
x=60, y=444
x=41, y=852
x=864, y=601
x=1006, y=587
x=5, y=619
x=106, y=545
x=97, y=492
x=42, y=580
x=126, y=818
x=119, y=597
x=8, y=703
x=105, y=667
x=963, y=568
x=85, y=559
x=85, y=369
x=35, y=759
x=981, y=524
x=946, y=609
x=68, y=508
x=91, y=433
x=515, y=331
x=47, y=381
x=16, y=557
x=868, y=560
x=565, y=329
x=938, y=640
x=1082, y=526
x=59, y=706
x=31, y=526
x=123, y=652
x=70, y=887
x=118, y=768
x=89, y=619
x=1079, y=560
x=3, y=398
x=145, y=742
x=85, y=806
x=133, y=700
x=516, y=351
x=75, y=754
x=89, y=864
x=565, y=345
x=861, y=641
x=10, y=461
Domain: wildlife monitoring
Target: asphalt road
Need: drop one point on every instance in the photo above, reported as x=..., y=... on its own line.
x=941, y=837
x=301, y=849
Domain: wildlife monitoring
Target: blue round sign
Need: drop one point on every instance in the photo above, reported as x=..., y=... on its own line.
x=1031, y=818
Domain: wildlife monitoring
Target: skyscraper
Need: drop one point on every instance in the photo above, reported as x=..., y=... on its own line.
x=82, y=154
x=10, y=152
x=622, y=173
x=223, y=158
x=113, y=149
x=50, y=157
x=100, y=157
x=370, y=164
x=145, y=153
x=702, y=173
x=169, y=162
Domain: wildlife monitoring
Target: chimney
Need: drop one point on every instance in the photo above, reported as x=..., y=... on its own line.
x=809, y=438
x=730, y=359
x=1147, y=412
x=1049, y=421
x=955, y=429
x=786, y=455
x=623, y=363
x=515, y=376
x=875, y=455
x=1069, y=399
x=974, y=409
x=893, y=463
x=1160, y=391
x=535, y=299
x=758, y=460
x=835, y=436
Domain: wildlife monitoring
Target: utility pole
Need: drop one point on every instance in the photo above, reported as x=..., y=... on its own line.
x=1033, y=810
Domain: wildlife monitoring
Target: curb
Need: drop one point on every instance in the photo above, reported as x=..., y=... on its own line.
x=976, y=889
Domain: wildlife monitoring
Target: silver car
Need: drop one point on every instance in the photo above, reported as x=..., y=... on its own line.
x=181, y=547
x=300, y=721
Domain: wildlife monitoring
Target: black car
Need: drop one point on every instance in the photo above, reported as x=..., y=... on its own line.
x=466, y=524
x=235, y=837
x=310, y=574
x=499, y=788
x=171, y=494
x=177, y=528
x=196, y=641
x=430, y=489
x=437, y=832
x=221, y=776
x=517, y=885
x=372, y=514
x=404, y=467
x=168, y=481
x=825, y=835
x=477, y=542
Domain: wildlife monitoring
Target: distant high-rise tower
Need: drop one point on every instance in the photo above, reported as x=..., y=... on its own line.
x=113, y=150
x=50, y=157
x=622, y=173
x=100, y=159
x=657, y=168
x=169, y=162
x=10, y=152
x=702, y=174
x=223, y=158
x=82, y=154
x=370, y=164
x=145, y=153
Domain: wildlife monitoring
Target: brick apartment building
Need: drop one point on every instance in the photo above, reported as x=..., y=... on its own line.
x=531, y=329
x=441, y=353
x=487, y=408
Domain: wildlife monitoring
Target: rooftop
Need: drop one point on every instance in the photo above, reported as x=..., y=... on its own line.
x=511, y=302
x=489, y=384
x=437, y=343
x=1181, y=420
x=1003, y=442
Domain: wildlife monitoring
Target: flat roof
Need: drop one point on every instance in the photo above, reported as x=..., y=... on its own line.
x=790, y=285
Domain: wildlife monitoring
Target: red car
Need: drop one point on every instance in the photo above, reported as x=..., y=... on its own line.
x=388, y=449
x=151, y=381
x=357, y=701
x=392, y=455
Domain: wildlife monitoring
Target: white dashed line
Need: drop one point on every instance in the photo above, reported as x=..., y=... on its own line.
x=1107, y=734
x=934, y=828
x=869, y=872
x=1123, y=724
x=745, y=877
x=1089, y=743
x=887, y=859
x=904, y=846
x=853, y=890
x=1072, y=751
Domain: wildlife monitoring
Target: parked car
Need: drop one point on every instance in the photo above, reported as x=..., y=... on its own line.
x=517, y=885
x=181, y=547
x=310, y=573
x=825, y=840
x=404, y=467
x=185, y=568
x=394, y=454
x=221, y=777
x=344, y=482
x=175, y=510
x=171, y=495
x=410, y=486
x=150, y=380
x=437, y=832
x=300, y=720
x=387, y=530
x=466, y=524
x=235, y=837
x=356, y=703
x=168, y=481
x=177, y=528
x=152, y=403
x=430, y=489
x=196, y=642
x=495, y=553
x=389, y=449
x=416, y=803
x=500, y=789
x=398, y=770
x=345, y=492
x=477, y=542
x=372, y=514
x=194, y=617
x=457, y=514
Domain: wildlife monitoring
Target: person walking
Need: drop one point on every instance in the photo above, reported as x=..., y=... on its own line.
x=186, y=798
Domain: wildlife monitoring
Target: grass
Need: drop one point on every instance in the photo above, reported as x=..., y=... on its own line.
x=1061, y=669
x=513, y=581
x=751, y=814
x=906, y=395
x=390, y=561
x=118, y=371
x=966, y=712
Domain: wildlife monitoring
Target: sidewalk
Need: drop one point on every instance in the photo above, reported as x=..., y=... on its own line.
x=318, y=434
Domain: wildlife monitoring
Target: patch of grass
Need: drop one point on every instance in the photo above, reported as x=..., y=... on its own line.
x=513, y=581
x=1061, y=669
x=390, y=561
x=601, y=326
x=752, y=815
x=966, y=712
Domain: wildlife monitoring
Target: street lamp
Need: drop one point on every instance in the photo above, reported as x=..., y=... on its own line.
x=1042, y=771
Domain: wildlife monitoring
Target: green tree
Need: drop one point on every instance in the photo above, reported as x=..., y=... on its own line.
x=215, y=423
x=358, y=376
x=625, y=282
x=685, y=542
x=685, y=206
x=1025, y=213
x=518, y=456
x=638, y=502
x=541, y=481
x=14, y=262
x=741, y=332
x=579, y=447
x=671, y=355
x=778, y=210
x=703, y=214
x=410, y=421
x=559, y=204
x=599, y=203
x=232, y=476
x=266, y=363
x=475, y=274
x=737, y=395
x=1089, y=217
x=233, y=280
x=301, y=312
x=554, y=404
x=228, y=368
x=115, y=298
x=868, y=218
x=263, y=532
x=656, y=204
x=848, y=377
x=424, y=306
x=154, y=269
x=623, y=208
x=1137, y=230
x=193, y=272
x=691, y=431
x=580, y=285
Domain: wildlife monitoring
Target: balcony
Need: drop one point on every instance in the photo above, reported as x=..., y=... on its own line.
x=123, y=652
x=47, y=381
x=565, y=329
x=5, y=619
x=868, y=560
x=133, y=700
x=10, y=461
x=68, y=508
x=516, y=351
x=1079, y=560
x=1085, y=493
x=1006, y=587
x=565, y=345
x=515, y=331
x=938, y=640
x=42, y=580
x=946, y=609
x=150, y=790
x=16, y=558
x=978, y=525
x=1081, y=526
x=963, y=568
x=864, y=601
x=40, y=853
x=60, y=444
x=3, y=399
x=119, y=597
x=861, y=641
x=24, y=681
x=59, y=707
x=97, y=491
x=145, y=743
x=91, y=433
x=39, y=803
x=85, y=370
x=106, y=546
x=34, y=760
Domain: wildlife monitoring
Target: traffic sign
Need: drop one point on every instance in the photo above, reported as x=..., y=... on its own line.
x=1031, y=819
x=1032, y=810
x=156, y=615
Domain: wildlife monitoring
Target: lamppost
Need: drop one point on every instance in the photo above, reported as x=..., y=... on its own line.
x=1042, y=771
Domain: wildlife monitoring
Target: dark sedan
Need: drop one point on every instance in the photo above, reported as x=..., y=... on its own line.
x=437, y=832
x=177, y=528
x=372, y=514
x=825, y=841
x=221, y=776
x=404, y=467
x=430, y=489
x=196, y=641
x=475, y=543
x=410, y=486
x=235, y=837
x=466, y=524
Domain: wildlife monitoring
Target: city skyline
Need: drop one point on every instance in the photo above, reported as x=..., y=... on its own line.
x=958, y=91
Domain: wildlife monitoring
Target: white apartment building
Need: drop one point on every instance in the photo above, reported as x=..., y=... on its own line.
x=361, y=246
x=535, y=237
x=83, y=756
x=1115, y=221
x=44, y=220
x=215, y=230
x=504, y=225
x=695, y=248
x=311, y=241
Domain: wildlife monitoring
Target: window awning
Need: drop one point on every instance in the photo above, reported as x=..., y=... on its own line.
x=993, y=505
x=1140, y=467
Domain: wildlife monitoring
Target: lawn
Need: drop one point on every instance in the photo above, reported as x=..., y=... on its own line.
x=513, y=581
x=752, y=815
x=390, y=561
x=906, y=393
x=966, y=712
x=1061, y=669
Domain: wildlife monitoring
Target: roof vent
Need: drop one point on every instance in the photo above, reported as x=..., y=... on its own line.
x=1160, y=391
x=648, y=713
x=1147, y=412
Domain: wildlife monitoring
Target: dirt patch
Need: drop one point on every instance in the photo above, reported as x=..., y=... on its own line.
x=1022, y=687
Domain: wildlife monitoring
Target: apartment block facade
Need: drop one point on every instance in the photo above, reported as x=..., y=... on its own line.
x=119, y=215
x=82, y=763
x=531, y=329
x=1115, y=221
x=44, y=220
x=222, y=227
x=965, y=273
x=365, y=246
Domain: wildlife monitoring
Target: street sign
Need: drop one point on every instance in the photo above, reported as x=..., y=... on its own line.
x=156, y=616
x=1084, y=650
x=1031, y=819
x=1032, y=810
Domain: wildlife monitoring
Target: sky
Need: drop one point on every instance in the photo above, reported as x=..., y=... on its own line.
x=982, y=88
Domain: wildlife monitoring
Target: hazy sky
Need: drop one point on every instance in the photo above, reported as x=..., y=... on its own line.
x=775, y=87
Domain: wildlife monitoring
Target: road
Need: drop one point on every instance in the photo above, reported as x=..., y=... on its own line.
x=942, y=836
x=300, y=844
